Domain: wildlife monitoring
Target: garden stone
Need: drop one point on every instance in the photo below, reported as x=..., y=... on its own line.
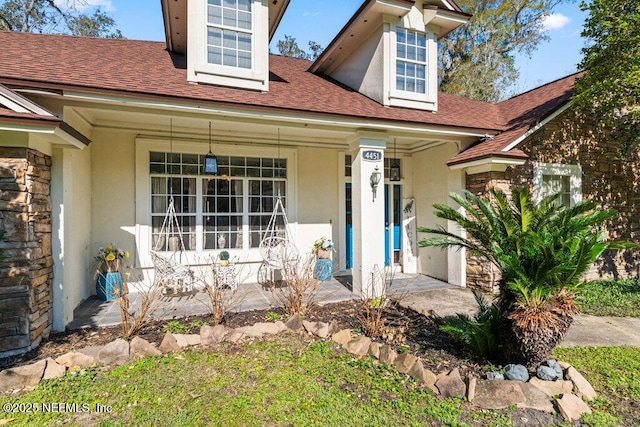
x=404, y=362
x=169, y=344
x=92, y=351
x=251, y=331
x=534, y=398
x=490, y=394
x=141, y=348
x=187, y=340
x=358, y=346
x=552, y=388
x=451, y=385
x=53, y=370
x=234, y=336
x=22, y=377
x=572, y=407
x=334, y=327
x=552, y=363
x=516, y=373
x=428, y=378
x=374, y=350
x=582, y=387
x=342, y=337
x=212, y=334
x=563, y=365
x=471, y=388
x=115, y=353
x=76, y=361
x=295, y=323
x=281, y=326
x=319, y=329
x=547, y=373
x=267, y=328
x=387, y=355
x=495, y=376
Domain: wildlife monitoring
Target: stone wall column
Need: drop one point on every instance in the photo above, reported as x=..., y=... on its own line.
x=26, y=271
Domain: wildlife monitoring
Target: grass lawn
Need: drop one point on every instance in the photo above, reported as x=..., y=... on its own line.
x=610, y=298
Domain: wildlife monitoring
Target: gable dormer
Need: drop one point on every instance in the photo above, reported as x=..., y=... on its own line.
x=226, y=41
x=388, y=51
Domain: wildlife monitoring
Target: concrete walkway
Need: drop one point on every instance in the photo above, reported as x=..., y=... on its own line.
x=585, y=331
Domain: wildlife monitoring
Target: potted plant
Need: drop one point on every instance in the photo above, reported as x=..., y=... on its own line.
x=322, y=248
x=109, y=280
x=224, y=258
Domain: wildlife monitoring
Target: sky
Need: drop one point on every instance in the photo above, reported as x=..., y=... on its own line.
x=321, y=20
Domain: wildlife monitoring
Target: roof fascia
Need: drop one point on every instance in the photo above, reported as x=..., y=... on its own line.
x=277, y=8
x=537, y=127
x=403, y=7
x=491, y=163
x=446, y=20
x=19, y=103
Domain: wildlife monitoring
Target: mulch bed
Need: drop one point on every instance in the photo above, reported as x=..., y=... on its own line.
x=406, y=330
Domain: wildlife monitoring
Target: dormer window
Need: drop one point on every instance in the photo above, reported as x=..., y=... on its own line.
x=411, y=61
x=229, y=33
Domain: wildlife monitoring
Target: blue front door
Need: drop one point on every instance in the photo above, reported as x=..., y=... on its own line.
x=349, y=223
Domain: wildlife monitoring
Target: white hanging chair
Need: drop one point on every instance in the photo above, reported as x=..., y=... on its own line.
x=276, y=248
x=169, y=271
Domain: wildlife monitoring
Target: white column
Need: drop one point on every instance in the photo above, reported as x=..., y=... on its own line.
x=368, y=216
x=456, y=258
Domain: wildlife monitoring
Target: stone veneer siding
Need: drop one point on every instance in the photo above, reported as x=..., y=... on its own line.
x=612, y=182
x=26, y=272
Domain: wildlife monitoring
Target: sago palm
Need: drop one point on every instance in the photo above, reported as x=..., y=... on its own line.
x=542, y=251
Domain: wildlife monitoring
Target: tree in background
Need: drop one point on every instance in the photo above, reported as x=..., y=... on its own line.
x=609, y=93
x=55, y=16
x=477, y=59
x=289, y=47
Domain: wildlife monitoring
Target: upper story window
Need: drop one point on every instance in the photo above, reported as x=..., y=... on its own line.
x=229, y=33
x=411, y=61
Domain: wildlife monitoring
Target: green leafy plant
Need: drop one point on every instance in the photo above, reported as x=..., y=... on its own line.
x=541, y=250
x=176, y=327
x=272, y=316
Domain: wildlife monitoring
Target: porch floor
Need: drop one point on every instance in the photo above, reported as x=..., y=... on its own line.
x=94, y=312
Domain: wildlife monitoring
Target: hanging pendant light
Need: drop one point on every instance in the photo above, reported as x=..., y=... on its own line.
x=210, y=160
x=394, y=172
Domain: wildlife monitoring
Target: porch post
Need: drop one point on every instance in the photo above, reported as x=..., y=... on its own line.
x=368, y=215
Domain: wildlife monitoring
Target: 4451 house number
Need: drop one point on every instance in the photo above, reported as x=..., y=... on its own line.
x=372, y=155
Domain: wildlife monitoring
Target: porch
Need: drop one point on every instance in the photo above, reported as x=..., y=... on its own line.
x=94, y=312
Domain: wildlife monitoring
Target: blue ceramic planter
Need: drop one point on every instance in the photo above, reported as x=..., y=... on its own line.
x=106, y=284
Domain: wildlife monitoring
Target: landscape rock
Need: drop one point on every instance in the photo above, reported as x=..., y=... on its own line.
x=92, y=351
x=319, y=329
x=563, y=365
x=358, y=346
x=342, y=337
x=581, y=386
x=547, y=373
x=404, y=362
x=76, y=361
x=490, y=394
x=516, y=373
x=295, y=323
x=552, y=388
x=53, y=369
x=251, y=331
x=22, y=377
x=281, y=326
x=387, y=355
x=451, y=384
x=139, y=347
x=212, y=334
x=234, y=336
x=552, y=363
x=168, y=344
x=572, y=407
x=495, y=376
x=471, y=388
x=268, y=328
x=115, y=353
x=425, y=376
x=374, y=350
x=334, y=327
x=534, y=398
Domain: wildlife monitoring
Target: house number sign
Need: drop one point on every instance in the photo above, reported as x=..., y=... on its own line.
x=372, y=155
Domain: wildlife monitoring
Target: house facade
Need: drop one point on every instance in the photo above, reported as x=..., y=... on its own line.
x=96, y=135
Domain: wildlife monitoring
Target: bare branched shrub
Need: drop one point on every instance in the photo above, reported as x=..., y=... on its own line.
x=297, y=290
x=373, y=317
x=132, y=320
x=221, y=297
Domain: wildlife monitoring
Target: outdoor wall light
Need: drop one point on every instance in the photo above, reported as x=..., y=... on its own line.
x=375, y=180
x=210, y=160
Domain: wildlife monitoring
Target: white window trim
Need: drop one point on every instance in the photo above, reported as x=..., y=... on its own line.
x=143, y=195
x=198, y=68
x=574, y=172
x=401, y=98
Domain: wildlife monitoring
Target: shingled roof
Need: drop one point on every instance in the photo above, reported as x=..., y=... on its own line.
x=144, y=69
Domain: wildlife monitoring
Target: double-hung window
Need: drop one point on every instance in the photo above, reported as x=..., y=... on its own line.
x=554, y=178
x=230, y=211
x=411, y=61
x=229, y=33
